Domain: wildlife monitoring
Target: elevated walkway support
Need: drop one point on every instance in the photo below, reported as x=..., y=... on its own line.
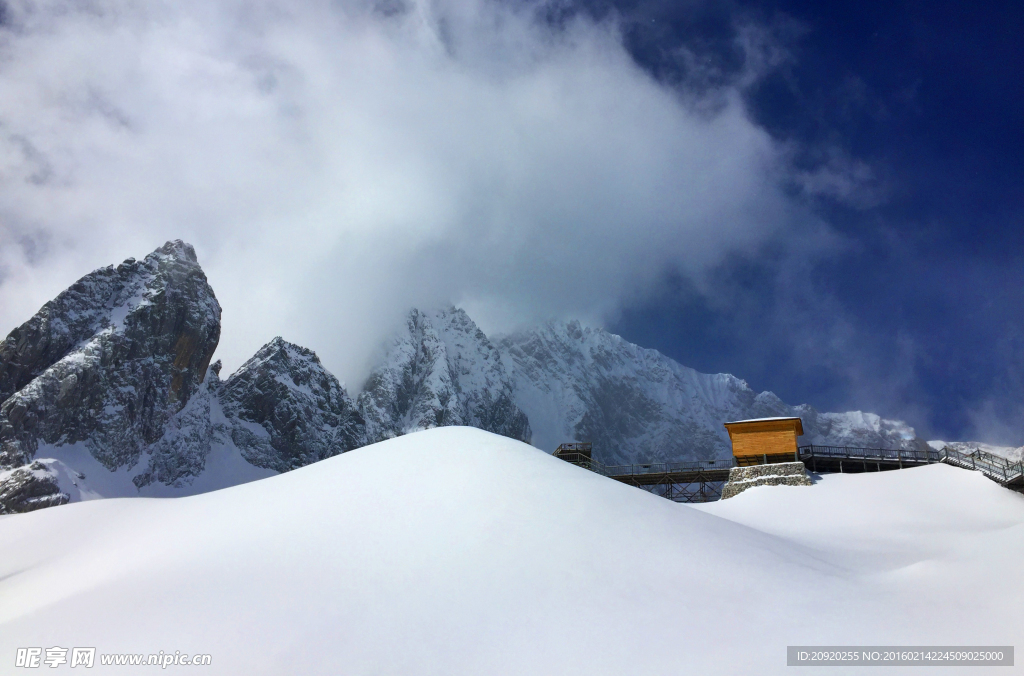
x=696, y=481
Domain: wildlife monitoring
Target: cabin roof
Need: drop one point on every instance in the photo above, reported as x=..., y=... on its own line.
x=766, y=424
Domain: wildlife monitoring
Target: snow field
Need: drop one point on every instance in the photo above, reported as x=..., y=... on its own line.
x=455, y=551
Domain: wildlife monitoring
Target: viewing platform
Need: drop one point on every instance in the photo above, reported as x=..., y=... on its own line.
x=702, y=480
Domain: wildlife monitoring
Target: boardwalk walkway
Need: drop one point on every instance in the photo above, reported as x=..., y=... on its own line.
x=846, y=459
x=702, y=480
x=695, y=481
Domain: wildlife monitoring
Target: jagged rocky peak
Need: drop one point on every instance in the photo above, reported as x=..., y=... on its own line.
x=104, y=299
x=287, y=410
x=439, y=370
x=110, y=360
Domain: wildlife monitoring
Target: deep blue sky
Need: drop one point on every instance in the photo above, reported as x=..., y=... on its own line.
x=919, y=316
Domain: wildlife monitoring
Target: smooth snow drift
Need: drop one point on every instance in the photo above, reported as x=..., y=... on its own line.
x=455, y=551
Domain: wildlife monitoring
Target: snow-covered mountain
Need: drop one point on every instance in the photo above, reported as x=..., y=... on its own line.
x=440, y=370
x=109, y=364
x=637, y=405
x=108, y=391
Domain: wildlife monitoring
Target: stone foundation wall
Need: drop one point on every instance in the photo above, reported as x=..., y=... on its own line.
x=778, y=474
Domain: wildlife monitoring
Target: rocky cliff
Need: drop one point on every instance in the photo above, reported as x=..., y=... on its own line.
x=286, y=410
x=441, y=370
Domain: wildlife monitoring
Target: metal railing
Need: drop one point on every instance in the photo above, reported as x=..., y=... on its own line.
x=874, y=454
x=995, y=467
x=641, y=469
x=669, y=467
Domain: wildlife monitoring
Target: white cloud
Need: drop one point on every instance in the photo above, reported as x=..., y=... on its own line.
x=335, y=165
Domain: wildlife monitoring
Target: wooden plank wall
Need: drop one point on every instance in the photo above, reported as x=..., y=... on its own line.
x=768, y=442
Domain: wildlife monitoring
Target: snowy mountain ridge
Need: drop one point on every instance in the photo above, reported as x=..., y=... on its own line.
x=637, y=405
x=110, y=364
x=108, y=391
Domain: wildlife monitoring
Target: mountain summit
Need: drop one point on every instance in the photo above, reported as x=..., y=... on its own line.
x=288, y=409
x=441, y=370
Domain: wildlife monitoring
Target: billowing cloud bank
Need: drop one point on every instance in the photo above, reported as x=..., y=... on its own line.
x=335, y=163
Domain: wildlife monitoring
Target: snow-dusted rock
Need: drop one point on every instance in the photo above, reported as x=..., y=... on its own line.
x=30, y=487
x=441, y=370
x=285, y=410
x=110, y=362
x=637, y=405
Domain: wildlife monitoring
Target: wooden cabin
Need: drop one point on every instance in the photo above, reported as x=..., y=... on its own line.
x=764, y=440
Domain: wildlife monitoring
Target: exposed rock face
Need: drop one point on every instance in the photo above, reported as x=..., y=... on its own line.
x=285, y=410
x=441, y=370
x=114, y=375
x=777, y=474
x=110, y=360
x=28, y=488
x=637, y=405
x=181, y=451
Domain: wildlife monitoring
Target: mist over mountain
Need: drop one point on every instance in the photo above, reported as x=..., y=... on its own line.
x=108, y=391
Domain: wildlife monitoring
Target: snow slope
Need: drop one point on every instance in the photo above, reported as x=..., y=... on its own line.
x=478, y=554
